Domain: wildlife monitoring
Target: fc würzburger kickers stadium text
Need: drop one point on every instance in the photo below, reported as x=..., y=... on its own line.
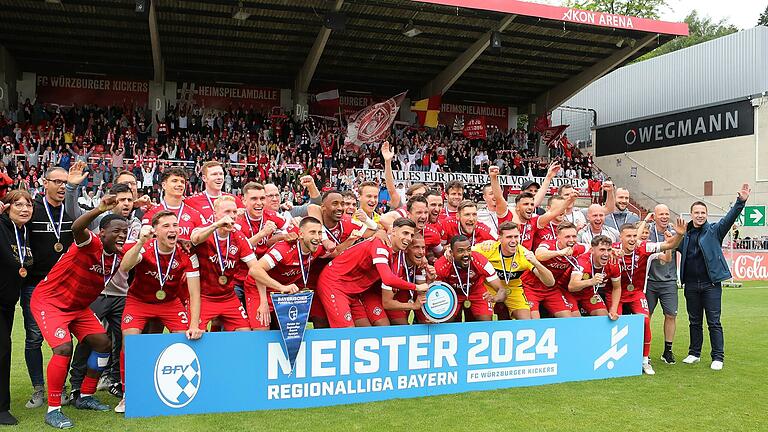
x=407, y=362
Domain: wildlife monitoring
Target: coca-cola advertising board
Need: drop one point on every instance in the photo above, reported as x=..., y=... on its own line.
x=747, y=265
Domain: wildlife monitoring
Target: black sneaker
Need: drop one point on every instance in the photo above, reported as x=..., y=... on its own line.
x=7, y=419
x=668, y=357
x=116, y=390
x=73, y=395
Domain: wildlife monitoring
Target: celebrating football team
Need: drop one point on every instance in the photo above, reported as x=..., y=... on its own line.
x=211, y=261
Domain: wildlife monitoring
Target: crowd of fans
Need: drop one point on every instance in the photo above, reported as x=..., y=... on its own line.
x=253, y=145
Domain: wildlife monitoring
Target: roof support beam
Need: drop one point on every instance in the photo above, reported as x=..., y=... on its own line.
x=154, y=36
x=554, y=97
x=445, y=79
x=304, y=77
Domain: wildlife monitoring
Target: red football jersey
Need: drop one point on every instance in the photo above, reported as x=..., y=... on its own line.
x=364, y=265
x=546, y=234
x=559, y=266
x=480, y=234
x=235, y=250
x=447, y=214
x=146, y=280
x=587, y=270
x=636, y=265
x=338, y=234
x=189, y=218
x=528, y=231
x=203, y=203
x=79, y=276
x=480, y=271
x=433, y=235
x=250, y=227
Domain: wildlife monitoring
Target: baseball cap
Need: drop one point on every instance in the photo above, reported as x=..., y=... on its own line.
x=530, y=183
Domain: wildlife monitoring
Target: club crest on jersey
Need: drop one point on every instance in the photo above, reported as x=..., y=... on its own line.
x=185, y=217
x=233, y=250
x=377, y=311
x=348, y=316
x=60, y=333
x=128, y=318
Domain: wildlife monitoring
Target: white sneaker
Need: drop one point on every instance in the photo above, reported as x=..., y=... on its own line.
x=648, y=369
x=120, y=408
x=717, y=365
x=691, y=359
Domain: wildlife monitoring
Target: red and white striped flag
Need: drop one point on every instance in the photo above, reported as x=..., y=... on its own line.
x=329, y=99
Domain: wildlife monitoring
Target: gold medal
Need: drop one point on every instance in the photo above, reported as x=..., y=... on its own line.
x=23, y=272
x=630, y=287
x=467, y=304
x=222, y=280
x=595, y=299
x=160, y=294
x=58, y=247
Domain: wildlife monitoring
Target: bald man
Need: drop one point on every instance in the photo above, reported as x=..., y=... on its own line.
x=619, y=214
x=596, y=226
x=662, y=280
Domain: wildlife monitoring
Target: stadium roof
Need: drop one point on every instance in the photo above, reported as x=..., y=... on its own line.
x=548, y=53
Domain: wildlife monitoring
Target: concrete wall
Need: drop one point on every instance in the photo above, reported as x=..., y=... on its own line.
x=675, y=175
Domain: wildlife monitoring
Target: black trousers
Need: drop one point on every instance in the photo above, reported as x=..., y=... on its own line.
x=6, y=326
x=109, y=310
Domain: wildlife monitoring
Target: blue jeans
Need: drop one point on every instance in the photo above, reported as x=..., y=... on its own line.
x=701, y=298
x=33, y=341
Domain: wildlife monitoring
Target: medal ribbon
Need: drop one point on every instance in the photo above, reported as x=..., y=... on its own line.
x=250, y=223
x=222, y=261
x=304, y=272
x=178, y=213
x=341, y=232
x=21, y=248
x=56, y=228
x=163, y=278
x=631, y=266
x=504, y=266
x=115, y=260
x=458, y=277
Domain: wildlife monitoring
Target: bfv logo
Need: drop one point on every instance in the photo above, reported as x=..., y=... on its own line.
x=177, y=375
x=614, y=353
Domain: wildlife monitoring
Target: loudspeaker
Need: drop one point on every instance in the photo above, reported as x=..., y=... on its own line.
x=495, y=40
x=335, y=21
x=142, y=6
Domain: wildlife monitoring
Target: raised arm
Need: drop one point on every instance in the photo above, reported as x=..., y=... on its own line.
x=554, y=167
x=133, y=256
x=725, y=224
x=389, y=176
x=80, y=225
x=501, y=202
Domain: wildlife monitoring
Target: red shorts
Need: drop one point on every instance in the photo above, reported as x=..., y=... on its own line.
x=638, y=305
x=341, y=308
x=403, y=296
x=253, y=301
x=478, y=307
x=58, y=326
x=228, y=310
x=171, y=313
x=374, y=308
x=553, y=300
x=584, y=301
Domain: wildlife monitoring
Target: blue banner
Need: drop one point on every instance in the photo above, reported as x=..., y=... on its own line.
x=292, y=311
x=248, y=371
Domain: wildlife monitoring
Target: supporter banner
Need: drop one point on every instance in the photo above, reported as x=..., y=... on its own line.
x=372, y=123
x=68, y=90
x=747, y=266
x=467, y=178
x=475, y=128
x=248, y=371
x=222, y=96
x=349, y=104
x=496, y=115
x=705, y=124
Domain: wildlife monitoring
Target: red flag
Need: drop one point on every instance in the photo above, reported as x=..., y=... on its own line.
x=329, y=99
x=474, y=128
x=542, y=123
x=372, y=123
x=552, y=133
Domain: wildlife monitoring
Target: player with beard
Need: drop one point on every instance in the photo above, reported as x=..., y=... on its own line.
x=467, y=272
x=529, y=222
x=285, y=268
x=224, y=251
x=161, y=266
x=173, y=180
x=511, y=261
x=213, y=178
x=587, y=282
x=596, y=225
x=634, y=259
x=60, y=305
x=433, y=231
x=454, y=191
x=261, y=226
x=360, y=268
x=618, y=215
x=496, y=210
x=350, y=203
x=559, y=256
x=412, y=266
x=466, y=224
